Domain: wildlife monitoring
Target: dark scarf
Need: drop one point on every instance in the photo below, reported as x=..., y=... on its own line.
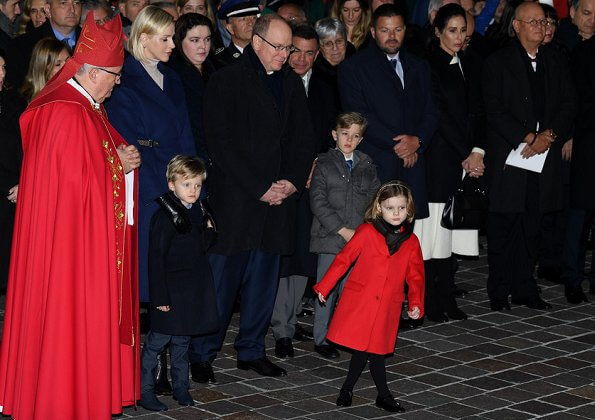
x=394, y=235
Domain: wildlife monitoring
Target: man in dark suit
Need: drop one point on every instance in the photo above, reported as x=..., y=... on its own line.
x=62, y=24
x=297, y=267
x=392, y=89
x=9, y=10
x=530, y=105
x=239, y=16
x=260, y=140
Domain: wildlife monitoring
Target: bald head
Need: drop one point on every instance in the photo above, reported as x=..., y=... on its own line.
x=529, y=25
x=271, y=41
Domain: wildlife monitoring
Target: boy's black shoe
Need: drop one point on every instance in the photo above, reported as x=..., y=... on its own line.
x=456, y=314
x=388, y=403
x=183, y=398
x=575, y=295
x=150, y=402
x=302, y=334
x=262, y=366
x=284, y=348
x=534, y=302
x=202, y=372
x=345, y=398
x=328, y=351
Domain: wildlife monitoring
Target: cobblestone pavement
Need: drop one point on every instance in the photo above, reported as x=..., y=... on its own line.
x=517, y=364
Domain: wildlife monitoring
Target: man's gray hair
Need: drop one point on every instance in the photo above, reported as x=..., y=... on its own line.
x=329, y=27
x=88, y=5
x=84, y=69
x=434, y=5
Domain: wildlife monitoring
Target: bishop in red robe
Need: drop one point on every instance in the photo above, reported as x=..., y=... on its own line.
x=70, y=342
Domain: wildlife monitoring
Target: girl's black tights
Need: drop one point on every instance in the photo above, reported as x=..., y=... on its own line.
x=377, y=369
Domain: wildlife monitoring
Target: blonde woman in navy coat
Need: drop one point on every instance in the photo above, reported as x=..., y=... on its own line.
x=149, y=110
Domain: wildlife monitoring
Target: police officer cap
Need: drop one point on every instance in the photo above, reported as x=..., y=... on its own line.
x=238, y=8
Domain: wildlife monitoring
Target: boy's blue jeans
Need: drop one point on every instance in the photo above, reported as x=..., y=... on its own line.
x=154, y=344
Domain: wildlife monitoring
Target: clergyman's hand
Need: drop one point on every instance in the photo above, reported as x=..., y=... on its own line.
x=129, y=156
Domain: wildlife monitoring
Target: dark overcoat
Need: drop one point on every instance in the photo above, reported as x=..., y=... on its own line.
x=180, y=276
x=253, y=144
x=453, y=139
x=140, y=110
x=510, y=117
x=369, y=85
x=582, y=178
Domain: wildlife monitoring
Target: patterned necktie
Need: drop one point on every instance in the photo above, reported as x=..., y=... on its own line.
x=349, y=165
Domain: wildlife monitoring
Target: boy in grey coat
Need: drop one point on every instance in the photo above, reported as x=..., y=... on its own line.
x=343, y=183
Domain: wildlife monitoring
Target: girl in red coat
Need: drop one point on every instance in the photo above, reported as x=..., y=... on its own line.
x=367, y=315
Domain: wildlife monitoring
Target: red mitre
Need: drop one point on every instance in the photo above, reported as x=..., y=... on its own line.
x=98, y=45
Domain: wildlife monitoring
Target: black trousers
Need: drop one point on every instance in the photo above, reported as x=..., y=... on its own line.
x=513, y=247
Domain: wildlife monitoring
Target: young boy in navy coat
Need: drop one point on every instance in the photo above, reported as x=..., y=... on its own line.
x=181, y=285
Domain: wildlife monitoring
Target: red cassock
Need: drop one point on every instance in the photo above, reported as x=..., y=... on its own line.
x=70, y=343
x=367, y=315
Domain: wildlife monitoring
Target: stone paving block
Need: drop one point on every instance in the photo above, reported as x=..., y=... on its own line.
x=429, y=399
x=368, y=411
x=491, y=349
x=468, y=339
x=514, y=395
x=409, y=369
x=491, y=365
x=569, y=363
x=421, y=335
x=587, y=391
x=415, y=352
x=477, y=310
x=436, y=379
x=586, y=411
x=318, y=390
x=407, y=386
x=313, y=405
x=495, y=333
x=472, y=325
x=520, y=327
x=542, y=337
x=570, y=381
x=268, y=384
x=544, y=321
x=514, y=376
x=507, y=414
x=328, y=372
x=463, y=355
x=235, y=389
x=455, y=410
x=189, y=413
x=518, y=358
x=541, y=369
x=421, y=415
x=541, y=387
x=448, y=330
x=437, y=362
x=257, y=401
x=569, y=346
x=282, y=412
x=517, y=343
x=464, y=372
x=245, y=415
x=562, y=416
x=499, y=318
x=537, y=408
x=544, y=352
x=458, y=390
x=566, y=399
x=442, y=345
x=205, y=395
x=333, y=415
x=485, y=402
x=487, y=383
x=588, y=355
x=221, y=407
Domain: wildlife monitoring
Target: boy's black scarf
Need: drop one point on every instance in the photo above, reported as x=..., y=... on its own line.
x=394, y=235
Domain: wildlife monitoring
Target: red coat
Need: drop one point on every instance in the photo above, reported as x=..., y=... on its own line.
x=369, y=309
x=70, y=343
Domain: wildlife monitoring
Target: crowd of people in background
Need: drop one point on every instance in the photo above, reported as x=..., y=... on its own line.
x=299, y=110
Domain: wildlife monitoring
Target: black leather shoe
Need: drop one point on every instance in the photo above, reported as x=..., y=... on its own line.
x=499, y=304
x=302, y=334
x=389, y=404
x=184, y=398
x=262, y=366
x=284, y=348
x=456, y=314
x=162, y=385
x=150, y=402
x=575, y=295
x=328, y=351
x=345, y=398
x=202, y=372
x=550, y=274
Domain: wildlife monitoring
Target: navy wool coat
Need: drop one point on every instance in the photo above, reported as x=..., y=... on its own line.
x=140, y=110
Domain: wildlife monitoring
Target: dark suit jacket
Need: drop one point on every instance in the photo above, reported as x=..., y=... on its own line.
x=582, y=178
x=252, y=145
x=21, y=48
x=509, y=112
x=453, y=140
x=368, y=84
x=323, y=112
x=227, y=56
x=139, y=109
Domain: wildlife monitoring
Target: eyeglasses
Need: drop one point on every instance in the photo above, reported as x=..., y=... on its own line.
x=118, y=75
x=534, y=22
x=328, y=45
x=279, y=48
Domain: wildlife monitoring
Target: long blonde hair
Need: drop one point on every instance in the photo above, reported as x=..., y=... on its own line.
x=151, y=21
x=360, y=31
x=43, y=60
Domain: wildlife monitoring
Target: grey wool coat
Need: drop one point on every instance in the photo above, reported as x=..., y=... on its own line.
x=338, y=198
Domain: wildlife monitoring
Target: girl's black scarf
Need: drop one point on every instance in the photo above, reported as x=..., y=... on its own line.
x=394, y=235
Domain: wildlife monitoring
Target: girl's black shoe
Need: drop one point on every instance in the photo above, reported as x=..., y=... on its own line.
x=345, y=398
x=388, y=403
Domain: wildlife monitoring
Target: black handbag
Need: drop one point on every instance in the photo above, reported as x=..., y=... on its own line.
x=467, y=208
